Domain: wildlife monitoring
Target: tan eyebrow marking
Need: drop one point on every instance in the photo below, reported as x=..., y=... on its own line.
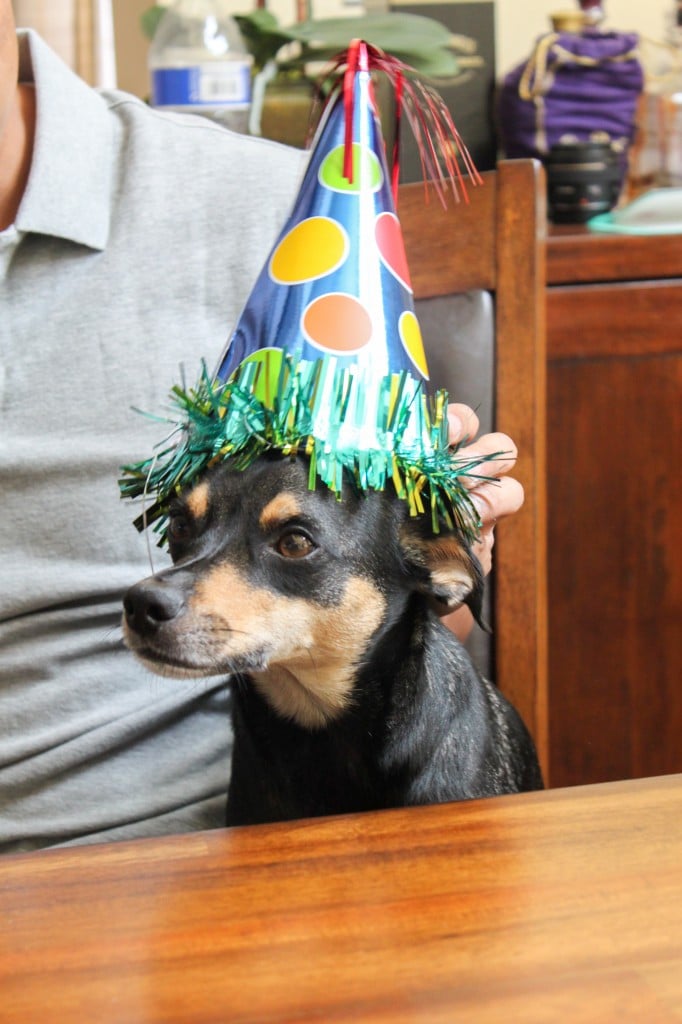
x=197, y=501
x=284, y=506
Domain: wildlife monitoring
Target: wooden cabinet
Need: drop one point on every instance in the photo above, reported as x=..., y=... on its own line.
x=614, y=325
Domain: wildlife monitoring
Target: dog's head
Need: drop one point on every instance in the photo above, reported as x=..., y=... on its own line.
x=288, y=584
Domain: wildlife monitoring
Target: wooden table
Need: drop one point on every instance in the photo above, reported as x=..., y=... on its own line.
x=557, y=906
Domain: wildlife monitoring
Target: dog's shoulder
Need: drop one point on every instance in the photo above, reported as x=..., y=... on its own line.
x=459, y=734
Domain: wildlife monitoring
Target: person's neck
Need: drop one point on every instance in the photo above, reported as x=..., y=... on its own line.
x=16, y=150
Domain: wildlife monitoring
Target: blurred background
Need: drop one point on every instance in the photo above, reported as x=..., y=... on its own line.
x=102, y=40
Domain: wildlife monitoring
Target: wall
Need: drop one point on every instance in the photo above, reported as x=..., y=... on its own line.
x=131, y=46
x=515, y=31
x=56, y=22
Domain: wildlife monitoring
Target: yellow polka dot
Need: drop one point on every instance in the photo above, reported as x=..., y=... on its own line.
x=411, y=337
x=312, y=249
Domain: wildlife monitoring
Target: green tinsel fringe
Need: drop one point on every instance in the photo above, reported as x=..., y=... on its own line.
x=258, y=410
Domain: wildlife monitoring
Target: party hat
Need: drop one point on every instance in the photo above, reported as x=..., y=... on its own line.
x=327, y=359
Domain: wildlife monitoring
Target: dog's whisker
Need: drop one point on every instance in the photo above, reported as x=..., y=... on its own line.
x=310, y=654
x=145, y=496
x=113, y=633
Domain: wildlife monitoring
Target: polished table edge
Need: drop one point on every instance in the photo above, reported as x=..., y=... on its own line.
x=337, y=829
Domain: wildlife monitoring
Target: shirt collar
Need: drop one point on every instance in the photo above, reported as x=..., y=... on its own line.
x=68, y=192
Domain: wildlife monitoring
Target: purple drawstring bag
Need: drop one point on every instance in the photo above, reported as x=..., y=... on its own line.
x=575, y=87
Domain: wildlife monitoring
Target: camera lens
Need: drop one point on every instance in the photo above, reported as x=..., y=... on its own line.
x=583, y=179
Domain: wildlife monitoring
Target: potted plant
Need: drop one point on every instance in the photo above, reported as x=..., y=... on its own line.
x=288, y=58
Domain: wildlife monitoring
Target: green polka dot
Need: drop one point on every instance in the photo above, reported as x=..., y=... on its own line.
x=267, y=378
x=366, y=170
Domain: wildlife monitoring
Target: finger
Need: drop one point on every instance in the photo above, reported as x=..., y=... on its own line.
x=482, y=451
x=483, y=548
x=463, y=423
x=498, y=499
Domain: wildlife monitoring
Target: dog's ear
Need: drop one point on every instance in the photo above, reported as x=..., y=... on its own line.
x=443, y=569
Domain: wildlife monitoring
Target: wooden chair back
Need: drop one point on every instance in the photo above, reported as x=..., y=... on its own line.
x=496, y=242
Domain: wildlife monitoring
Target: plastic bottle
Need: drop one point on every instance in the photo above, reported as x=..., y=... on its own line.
x=199, y=63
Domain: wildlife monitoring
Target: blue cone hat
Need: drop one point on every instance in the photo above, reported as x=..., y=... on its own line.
x=327, y=359
x=337, y=281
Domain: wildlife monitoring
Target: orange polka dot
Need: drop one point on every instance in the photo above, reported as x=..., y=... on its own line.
x=337, y=323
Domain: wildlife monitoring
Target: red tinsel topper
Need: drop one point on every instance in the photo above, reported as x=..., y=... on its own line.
x=442, y=152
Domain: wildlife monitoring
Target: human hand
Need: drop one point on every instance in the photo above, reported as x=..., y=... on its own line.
x=502, y=495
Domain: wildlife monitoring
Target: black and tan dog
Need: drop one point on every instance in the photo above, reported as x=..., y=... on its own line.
x=349, y=693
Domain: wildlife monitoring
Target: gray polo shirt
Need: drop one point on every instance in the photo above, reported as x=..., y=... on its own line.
x=135, y=245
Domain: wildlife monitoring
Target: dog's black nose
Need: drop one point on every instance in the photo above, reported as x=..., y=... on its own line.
x=152, y=603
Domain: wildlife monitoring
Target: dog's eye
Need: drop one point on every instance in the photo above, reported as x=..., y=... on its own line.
x=294, y=545
x=179, y=528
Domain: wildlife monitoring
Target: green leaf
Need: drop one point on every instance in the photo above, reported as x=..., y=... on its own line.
x=422, y=42
x=150, y=19
x=392, y=31
x=262, y=34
